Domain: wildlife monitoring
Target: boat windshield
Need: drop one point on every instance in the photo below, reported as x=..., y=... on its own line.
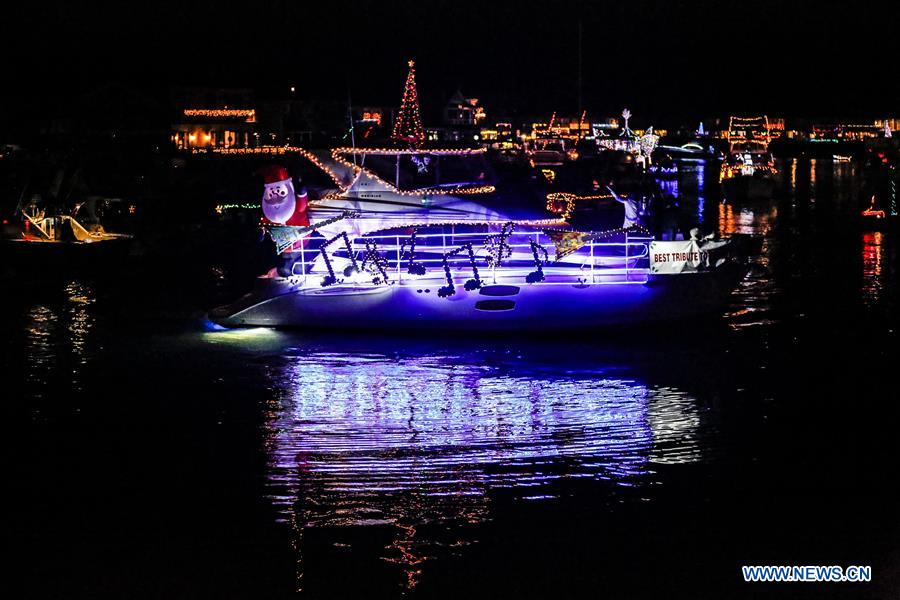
x=428, y=170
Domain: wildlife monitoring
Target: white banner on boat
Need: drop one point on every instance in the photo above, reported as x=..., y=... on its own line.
x=670, y=258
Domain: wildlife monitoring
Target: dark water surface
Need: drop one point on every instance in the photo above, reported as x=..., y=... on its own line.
x=150, y=456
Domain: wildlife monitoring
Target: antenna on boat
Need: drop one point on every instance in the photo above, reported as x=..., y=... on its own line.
x=352, y=125
x=579, y=64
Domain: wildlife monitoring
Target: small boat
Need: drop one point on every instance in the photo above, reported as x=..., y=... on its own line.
x=753, y=184
x=43, y=247
x=549, y=152
x=692, y=151
x=402, y=259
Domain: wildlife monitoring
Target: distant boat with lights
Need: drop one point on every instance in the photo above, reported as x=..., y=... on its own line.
x=748, y=171
x=40, y=244
x=640, y=146
x=698, y=149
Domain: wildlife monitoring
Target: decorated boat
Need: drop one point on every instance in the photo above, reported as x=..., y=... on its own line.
x=421, y=239
x=639, y=144
x=748, y=171
x=38, y=245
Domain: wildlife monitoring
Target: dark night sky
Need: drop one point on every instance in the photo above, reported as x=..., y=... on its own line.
x=667, y=61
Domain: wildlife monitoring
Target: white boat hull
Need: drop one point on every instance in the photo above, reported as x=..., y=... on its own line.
x=504, y=306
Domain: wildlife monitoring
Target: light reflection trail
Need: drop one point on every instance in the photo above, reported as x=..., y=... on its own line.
x=873, y=258
x=752, y=300
x=404, y=443
x=58, y=341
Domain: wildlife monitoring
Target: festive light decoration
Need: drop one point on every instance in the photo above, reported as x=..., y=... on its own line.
x=748, y=140
x=220, y=208
x=648, y=142
x=331, y=279
x=743, y=167
x=567, y=242
x=626, y=114
x=876, y=213
x=277, y=151
x=497, y=247
x=356, y=169
x=660, y=170
x=563, y=203
x=408, y=126
x=394, y=151
x=375, y=264
x=539, y=223
x=742, y=130
x=248, y=114
x=537, y=275
x=472, y=284
x=462, y=189
x=413, y=267
x=285, y=236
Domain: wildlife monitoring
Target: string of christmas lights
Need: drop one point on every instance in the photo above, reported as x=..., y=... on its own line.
x=356, y=169
x=277, y=151
x=393, y=151
x=538, y=223
x=336, y=154
x=222, y=113
x=563, y=203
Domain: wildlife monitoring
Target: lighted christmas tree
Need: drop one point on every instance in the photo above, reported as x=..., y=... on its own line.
x=408, y=125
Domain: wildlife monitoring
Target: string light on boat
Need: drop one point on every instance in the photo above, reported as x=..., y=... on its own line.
x=496, y=246
x=470, y=285
x=375, y=264
x=539, y=223
x=276, y=151
x=563, y=203
x=567, y=242
x=414, y=269
x=350, y=271
x=537, y=275
x=220, y=208
x=337, y=155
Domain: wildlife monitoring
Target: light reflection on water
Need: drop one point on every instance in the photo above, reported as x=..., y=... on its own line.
x=751, y=302
x=57, y=340
x=873, y=262
x=377, y=440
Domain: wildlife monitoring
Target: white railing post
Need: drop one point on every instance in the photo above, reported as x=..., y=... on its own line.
x=592, y=262
x=303, y=260
x=399, y=270
x=626, y=257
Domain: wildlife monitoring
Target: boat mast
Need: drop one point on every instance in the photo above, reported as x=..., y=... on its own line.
x=579, y=66
x=352, y=127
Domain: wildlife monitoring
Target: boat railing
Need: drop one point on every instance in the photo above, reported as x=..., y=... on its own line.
x=519, y=253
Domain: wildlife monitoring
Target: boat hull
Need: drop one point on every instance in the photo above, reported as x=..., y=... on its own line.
x=504, y=306
x=748, y=188
x=38, y=261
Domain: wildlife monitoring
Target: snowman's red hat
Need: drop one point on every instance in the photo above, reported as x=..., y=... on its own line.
x=274, y=174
